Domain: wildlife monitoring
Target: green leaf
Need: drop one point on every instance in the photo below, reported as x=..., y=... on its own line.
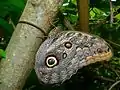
x=117, y=16
x=11, y=9
x=103, y=5
x=2, y=53
x=6, y=26
x=18, y=3
x=72, y=18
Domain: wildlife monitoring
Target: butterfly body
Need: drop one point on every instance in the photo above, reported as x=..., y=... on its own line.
x=60, y=56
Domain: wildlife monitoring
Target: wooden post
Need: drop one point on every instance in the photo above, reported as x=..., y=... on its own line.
x=83, y=11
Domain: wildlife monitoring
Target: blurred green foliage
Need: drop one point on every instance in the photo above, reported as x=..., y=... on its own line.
x=99, y=76
x=2, y=54
x=10, y=11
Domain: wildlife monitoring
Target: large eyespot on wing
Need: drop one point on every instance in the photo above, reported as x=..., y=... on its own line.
x=51, y=61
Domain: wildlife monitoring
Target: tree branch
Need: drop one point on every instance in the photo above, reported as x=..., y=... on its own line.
x=23, y=45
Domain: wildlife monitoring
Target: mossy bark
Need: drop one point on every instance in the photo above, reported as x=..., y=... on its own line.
x=21, y=50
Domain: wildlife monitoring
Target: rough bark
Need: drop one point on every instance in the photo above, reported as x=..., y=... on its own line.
x=83, y=11
x=21, y=50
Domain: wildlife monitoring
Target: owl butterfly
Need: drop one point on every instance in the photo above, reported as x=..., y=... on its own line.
x=60, y=56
